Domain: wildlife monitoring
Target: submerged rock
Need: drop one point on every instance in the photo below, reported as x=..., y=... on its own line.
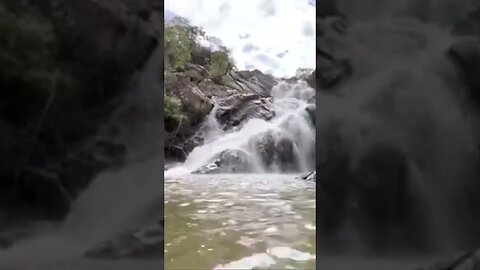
x=310, y=176
x=228, y=161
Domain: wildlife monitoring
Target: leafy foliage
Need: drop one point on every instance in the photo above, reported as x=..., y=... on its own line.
x=220, y=64
x=173, y=109
x=181, y=44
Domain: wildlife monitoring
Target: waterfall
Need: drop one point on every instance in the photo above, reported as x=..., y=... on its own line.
x=116, y=200
x=405, y=93
x=291, y=125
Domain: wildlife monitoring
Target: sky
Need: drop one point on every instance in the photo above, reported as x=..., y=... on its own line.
x=274, y=36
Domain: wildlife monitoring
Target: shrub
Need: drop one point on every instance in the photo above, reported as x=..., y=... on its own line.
x=180, y=41
x=173, y=110
x=220, y=64
x=181, y=46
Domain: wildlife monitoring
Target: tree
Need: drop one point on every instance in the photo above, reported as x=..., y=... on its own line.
x=178, y=44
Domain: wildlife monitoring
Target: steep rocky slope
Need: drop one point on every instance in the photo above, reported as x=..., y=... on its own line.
x=65, y=68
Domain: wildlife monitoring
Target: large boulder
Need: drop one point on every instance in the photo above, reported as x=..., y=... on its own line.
x=466, y=54
x=228, y=161
x=255, y=81
x=311, y=79
x=237, y=109
x=312, y=111
x=387, y=212
x=276, y=151
x=195, y=106
x=369, y=190
x=333, y=65
x=330, y=72
x=469, y=25
x=40, y=194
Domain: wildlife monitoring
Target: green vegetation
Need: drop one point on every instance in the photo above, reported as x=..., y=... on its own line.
x=173, y=110
x=220, y=64
x=182, y=48
x=181, y=45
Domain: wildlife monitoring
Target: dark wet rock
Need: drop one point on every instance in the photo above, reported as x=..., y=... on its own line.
x=312, y=110
x=195, y=106
x=334, y=181
x=275, y=151
x=465, y=261
x=255, y=81
x=77, y=171
x=327, y=8
x=333, y=64
x=466, y=54
x=311, y=79
x=310, y=176
x=385, y=200
x=195, y=103
x=330, y=73
x=145, y=242
x=110, y=152
x=370, y=191
x=469, y=25
x=219, y=91
x=98, y=46
x=228, y=161
x=237, y=109
x=41, y=194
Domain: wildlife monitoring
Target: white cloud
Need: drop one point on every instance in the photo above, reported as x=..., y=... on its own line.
x=271, y=26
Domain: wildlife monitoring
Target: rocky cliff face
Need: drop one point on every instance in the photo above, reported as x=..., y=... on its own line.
x=245, y=96
x=95, y=48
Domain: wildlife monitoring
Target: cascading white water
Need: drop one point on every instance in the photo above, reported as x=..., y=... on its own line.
x=405, y=92
x=116, y=200
x=291, y=121
x=114, y=203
